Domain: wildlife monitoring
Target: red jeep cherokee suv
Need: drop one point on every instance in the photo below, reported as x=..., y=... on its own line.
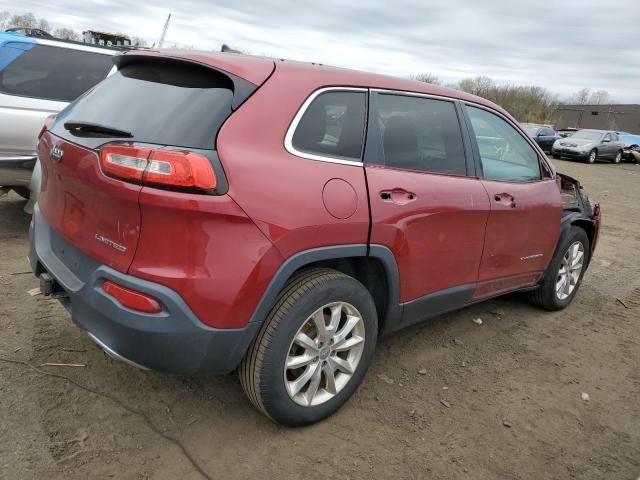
x=213, y=212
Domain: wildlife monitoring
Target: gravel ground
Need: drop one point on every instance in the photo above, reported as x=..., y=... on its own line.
x=498, y=400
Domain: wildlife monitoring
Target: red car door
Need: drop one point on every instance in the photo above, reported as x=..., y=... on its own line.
x=425, y=206
x=526, y=208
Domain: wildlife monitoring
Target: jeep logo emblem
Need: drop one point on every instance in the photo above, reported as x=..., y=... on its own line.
x=56, y=154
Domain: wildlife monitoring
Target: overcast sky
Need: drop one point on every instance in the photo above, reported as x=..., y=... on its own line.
x=562, y=45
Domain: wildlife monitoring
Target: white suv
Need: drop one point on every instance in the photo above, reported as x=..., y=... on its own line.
x=39, y=77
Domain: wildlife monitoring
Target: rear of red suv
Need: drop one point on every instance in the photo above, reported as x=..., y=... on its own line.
x=132, y=229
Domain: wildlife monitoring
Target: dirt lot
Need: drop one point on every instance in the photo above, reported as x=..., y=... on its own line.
x=499, y=400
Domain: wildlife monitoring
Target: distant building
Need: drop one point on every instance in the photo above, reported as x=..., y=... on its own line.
x=105, y=39
x=623, y=118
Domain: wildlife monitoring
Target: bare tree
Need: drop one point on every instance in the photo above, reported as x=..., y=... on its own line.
x=526, y=103
x=139, y=42
x=5, y=19
x=581, y=97
x=67, y=34
x=427, y=78
x=585, y=96
x=600, y=97
x=28, y=20
x=481, y=86
x=44, y=25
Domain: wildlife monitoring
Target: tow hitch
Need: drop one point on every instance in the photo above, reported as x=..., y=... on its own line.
x=49, y=287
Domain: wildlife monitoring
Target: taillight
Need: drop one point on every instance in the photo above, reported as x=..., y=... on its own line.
x=131, y=298
x=172, y=168
x=47, y=123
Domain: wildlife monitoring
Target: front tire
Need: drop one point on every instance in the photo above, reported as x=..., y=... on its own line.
x=593, y=156
x=313, y=349
x=564, y=275
x=618, y=157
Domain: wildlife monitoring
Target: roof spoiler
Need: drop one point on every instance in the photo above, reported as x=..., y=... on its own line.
x=242, y=88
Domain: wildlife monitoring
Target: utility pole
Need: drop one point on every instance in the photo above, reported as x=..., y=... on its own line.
x=164, y=32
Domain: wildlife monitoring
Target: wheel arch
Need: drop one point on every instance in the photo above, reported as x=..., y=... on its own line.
x=373, y=265
x=576, y=219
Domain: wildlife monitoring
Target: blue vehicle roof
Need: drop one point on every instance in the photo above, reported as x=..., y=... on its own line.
x=12, y=45
x=629, y=138
x=10, y=37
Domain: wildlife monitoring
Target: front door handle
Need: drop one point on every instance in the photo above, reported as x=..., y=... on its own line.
x=397, y=195
x=505, y=199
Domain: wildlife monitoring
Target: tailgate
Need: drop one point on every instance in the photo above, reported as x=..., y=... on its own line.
x=153, y=102
x=97, y=214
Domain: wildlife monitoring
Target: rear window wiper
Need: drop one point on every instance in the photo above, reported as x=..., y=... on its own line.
x=88, y=128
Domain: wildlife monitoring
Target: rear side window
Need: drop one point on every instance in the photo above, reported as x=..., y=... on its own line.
x=420, y=134
x=52, y=73
x=333, y=125
x=504, y=153
x=165, y=103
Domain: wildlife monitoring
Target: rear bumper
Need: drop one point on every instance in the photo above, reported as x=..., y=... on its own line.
x=172, y=341
x=15, y=171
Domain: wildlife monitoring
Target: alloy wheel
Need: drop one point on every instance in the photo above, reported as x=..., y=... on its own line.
x=324, y=354
x=570, y=269
x=592, y=156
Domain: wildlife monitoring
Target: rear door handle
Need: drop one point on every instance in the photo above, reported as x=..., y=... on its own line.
x=505, y=199
x=397, y=195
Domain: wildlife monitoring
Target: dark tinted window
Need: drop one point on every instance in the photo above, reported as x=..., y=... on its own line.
x=504, y=153
x=161, y=103
x=547, y=132
x=53, y=73
x=333, y=125
x=420, y=134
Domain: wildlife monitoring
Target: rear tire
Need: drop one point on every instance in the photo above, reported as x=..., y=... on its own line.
x=270, y=374
x=553, y=294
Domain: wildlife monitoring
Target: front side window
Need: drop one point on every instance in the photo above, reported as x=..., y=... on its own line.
x=504, y=153
x=420, y=134
x=333, y=125
x=53, y=73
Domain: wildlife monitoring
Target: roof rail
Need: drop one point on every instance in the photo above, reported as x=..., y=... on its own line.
x=31, y=32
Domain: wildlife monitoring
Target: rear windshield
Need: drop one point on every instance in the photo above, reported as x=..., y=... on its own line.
x=161, y=103
x=51, y=73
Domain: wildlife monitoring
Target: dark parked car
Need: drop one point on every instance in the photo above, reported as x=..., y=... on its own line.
x=590, y=145
x=630, y=147
x=543, y=135
x=277, y=217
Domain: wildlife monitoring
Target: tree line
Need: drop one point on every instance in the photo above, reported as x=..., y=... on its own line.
x=526, y=103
